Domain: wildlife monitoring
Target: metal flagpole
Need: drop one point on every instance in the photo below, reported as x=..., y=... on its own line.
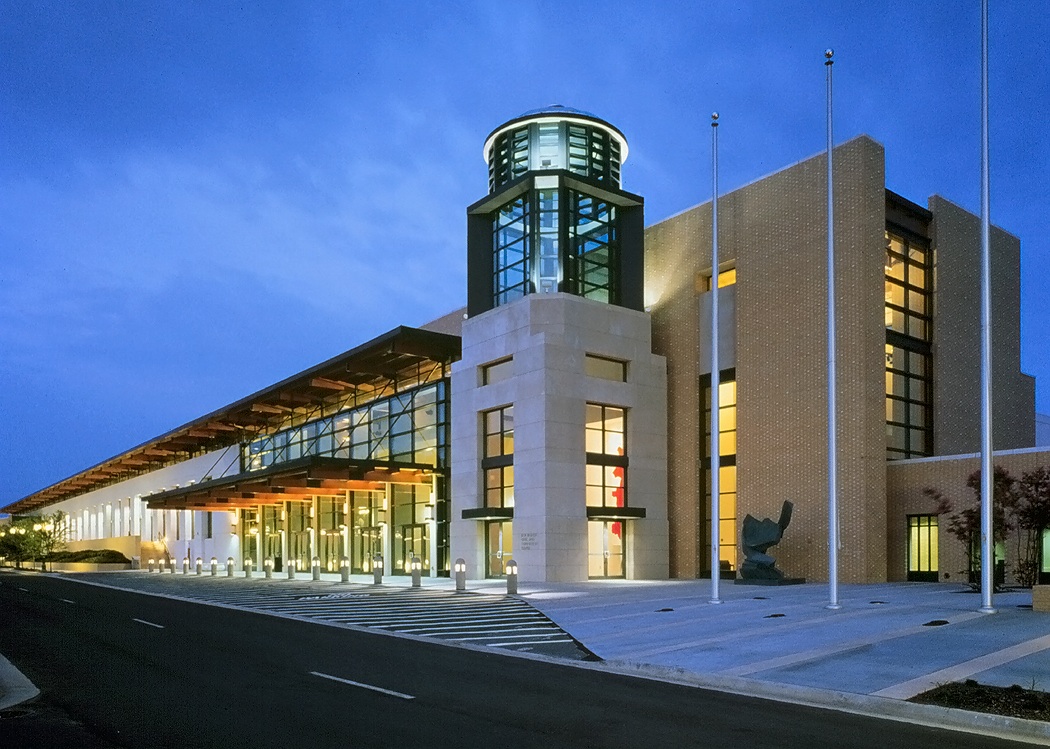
x=987, y=471
x=716, y=379
x=833, y=510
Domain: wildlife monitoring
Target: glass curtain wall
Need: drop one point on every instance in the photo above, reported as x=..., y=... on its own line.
x=331, y=526
x=412, y=513
x=367, y=518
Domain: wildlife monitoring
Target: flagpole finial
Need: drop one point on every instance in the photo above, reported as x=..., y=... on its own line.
x=714, y=119
x=828, y=54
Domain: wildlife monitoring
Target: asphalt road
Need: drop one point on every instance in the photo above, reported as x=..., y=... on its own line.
x=119, y=669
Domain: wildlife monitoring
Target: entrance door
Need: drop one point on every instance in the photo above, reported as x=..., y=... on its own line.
x=605, y=549
x=1044, y=559
x=415, y=542
x=922, y=548
x=366, y=543
x=500, y=547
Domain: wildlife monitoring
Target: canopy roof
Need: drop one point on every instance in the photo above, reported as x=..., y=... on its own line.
x=366, y=368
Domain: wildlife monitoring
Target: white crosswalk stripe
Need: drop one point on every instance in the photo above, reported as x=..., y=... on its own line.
x=496, y=621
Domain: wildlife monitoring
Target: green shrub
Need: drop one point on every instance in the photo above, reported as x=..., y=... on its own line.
x=90, y=556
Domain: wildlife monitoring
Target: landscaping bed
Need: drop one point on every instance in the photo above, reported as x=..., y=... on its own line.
x=1015, y=701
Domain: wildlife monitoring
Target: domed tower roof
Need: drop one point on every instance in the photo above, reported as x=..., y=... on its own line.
x=559, y=113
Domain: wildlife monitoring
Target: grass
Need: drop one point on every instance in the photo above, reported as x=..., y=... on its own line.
x=1015, y=701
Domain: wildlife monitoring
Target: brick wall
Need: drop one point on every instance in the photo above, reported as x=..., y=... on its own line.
x=775, y=230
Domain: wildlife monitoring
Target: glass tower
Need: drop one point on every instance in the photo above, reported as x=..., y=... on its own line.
x=555, y=218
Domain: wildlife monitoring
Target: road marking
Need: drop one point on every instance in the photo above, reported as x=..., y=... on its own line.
x=391, y=692
x=24, y=590
x=143, y=621
x=66, y=600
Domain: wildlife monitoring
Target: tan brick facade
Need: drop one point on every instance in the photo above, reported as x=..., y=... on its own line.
x=775, y=231
x=905, y=482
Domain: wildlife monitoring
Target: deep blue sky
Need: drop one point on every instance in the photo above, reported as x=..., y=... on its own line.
x=198, y=199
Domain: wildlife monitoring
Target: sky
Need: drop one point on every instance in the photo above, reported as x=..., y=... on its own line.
x=198, y=199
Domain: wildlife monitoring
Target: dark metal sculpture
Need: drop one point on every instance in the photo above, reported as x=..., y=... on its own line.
x=757, y=536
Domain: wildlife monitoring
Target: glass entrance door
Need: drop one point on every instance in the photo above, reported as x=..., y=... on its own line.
x=366, y=543
x=500, y=547
x=605, y=549
x=415, y=542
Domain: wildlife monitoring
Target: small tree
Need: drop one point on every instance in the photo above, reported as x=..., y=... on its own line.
x=51, y=534
x=965, y=524
x=1033, y=519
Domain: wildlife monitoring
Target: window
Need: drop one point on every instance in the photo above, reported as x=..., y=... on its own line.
x=208, y=525
x=512, y=251
x=725, y=278
x=410, y=427
x=922, y=548
x=727, y=475
x=604, y=442
x=908, y=352
x=497, y=372
x=594, y=247
x=605, y=369
x=497, y=463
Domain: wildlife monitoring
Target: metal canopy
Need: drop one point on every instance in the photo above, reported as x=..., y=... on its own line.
x=360, y=370
x=295, y=480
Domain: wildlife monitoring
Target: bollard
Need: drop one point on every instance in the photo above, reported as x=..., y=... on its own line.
x=171, y=566
x=315, y=569
x=291, y=569
x=185, y=565
x=512, y=577
x=214, y=566
x=417, y=571
x=344, y=570
x=199, y=565
x=229, y=566
x=268, y=565
x=377, y=569
x=460, y=568
x=248, y=567
x=151, y=563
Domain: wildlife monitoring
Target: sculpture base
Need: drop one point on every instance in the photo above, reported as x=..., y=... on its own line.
x=770, y=581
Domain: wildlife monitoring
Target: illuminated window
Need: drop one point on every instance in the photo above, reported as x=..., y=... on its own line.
x=595, y=247
x=725, y=278
x=922, y=548
x=512, y=251
x=727, y=476
x=908, y=351
x=605, y=445
x=497, y=462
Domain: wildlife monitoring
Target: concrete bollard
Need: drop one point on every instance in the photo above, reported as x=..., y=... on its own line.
x=214, y=566
x=199, y=565
x=151, y=564
x=460, y=568
x=417, y=571
x=291, y=569
x=315, y=569
x=171, y=566
x=268, y=566
x=512, y=577
x=248, y=567
x=344, y=570
x=185, y=565
x=229, y=566
x=377, y=569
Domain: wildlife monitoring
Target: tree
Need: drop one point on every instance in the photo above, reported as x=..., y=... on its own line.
x=965, y=524
x=18, y=541
x=1033, y=519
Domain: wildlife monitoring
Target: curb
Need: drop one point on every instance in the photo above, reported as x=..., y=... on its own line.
x=15, y=688
x=934, y=716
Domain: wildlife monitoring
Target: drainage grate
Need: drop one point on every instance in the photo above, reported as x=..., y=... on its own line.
x=773, y=616
x=936, y=623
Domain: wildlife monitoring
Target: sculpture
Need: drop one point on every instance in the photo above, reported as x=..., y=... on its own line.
x=757, y=536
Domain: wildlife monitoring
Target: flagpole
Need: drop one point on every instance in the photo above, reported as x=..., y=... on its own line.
x=987, y=471
x=716, y=379
x=833, y=511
